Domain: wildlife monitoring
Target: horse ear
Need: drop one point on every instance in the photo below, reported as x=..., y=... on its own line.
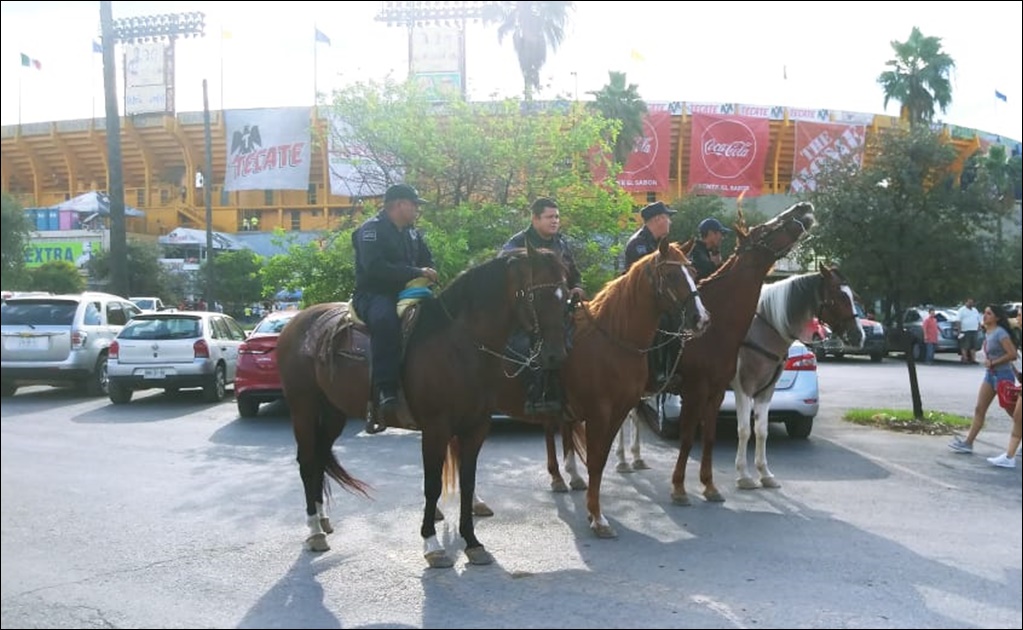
x=823, y=269
x=664, y=246
x=530, y=250
x=740, y=219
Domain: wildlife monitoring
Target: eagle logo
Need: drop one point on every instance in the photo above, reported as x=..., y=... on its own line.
x=246, y=140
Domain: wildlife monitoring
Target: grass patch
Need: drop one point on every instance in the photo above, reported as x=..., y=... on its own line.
x=933, y=422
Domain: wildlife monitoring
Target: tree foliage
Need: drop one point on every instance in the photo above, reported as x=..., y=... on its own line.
x=323, y=269
x=14, y=234
x=902, y=227
x=236, y=279
x=146, y=274
x=620, y=101
x=56, y=276
x=918, y=77
x=535, y=28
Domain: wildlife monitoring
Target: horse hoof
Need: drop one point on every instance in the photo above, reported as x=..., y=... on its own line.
x=439, y=559
x=325, y=526
x=558, y=485
x=623, y=467
x=769, y=482
x=479, y=508
x=577, y=484
x=680, y=498
x=746, y=483
x=639, y=464
x=714, y=496
x=604, y=531
x=317, y=542
x=438, y=515
x=479, y=555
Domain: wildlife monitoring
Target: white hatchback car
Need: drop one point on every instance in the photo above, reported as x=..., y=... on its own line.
x=173, y=351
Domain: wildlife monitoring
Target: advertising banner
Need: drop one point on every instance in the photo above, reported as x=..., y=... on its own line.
x=727, y=155
x=817, y=143
x=77, y=253
x=267, y=149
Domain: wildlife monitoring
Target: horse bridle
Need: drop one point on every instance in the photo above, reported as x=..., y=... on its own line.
x=828, y=305
x=759, y=242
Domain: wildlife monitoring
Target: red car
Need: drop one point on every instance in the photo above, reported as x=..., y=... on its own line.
x=257, y=380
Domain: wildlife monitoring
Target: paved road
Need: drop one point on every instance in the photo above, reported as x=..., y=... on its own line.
x=171, y=513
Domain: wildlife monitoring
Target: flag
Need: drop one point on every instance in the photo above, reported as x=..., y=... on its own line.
x=29, y=62
x=636, y=55
x=322, y=37
x=97, y=47
x=1003, y=98
x=785, y=73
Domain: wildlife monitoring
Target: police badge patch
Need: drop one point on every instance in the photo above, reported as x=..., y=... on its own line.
x=369, y=235
x=641, y=249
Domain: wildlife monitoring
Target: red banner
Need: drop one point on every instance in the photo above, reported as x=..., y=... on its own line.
x=649, y=164
x=818, y=143
x=728, y=154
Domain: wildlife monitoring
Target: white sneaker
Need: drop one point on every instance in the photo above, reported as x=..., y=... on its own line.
x=1002, y=461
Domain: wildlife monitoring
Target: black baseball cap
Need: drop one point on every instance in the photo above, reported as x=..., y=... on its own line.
x=654, y=209
x=712, y=225
x=403, y=191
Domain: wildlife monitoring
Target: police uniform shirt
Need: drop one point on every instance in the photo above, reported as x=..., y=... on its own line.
x=700, y=256
x=386, y=258
x=640, y=244
x=557, y=244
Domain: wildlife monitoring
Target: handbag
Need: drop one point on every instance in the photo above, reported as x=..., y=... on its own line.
x=1008, y=394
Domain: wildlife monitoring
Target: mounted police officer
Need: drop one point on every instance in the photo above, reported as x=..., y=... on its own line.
x=389, y=252
x=706, y=254
x=544, y=232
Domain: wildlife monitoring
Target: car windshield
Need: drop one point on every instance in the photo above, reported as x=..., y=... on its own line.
x=160, y=328
x=38, y=313
x=271, y=325
x=145, y=303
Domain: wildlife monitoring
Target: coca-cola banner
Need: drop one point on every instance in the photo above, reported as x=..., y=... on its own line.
x=648, y=166
x=728, y=154
x=818, y=143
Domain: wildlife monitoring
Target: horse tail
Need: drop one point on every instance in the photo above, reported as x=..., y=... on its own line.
x=578, y=430
x=333, y=468
x=449, y=475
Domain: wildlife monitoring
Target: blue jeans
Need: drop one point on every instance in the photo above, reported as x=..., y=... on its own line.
x=929, y=352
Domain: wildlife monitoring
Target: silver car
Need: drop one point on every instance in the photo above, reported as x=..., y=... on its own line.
x=55, y=339
x=795, y=401
x=174, y=351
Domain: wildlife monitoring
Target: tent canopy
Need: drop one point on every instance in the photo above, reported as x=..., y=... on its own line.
x=94, y=202
x=190, y=236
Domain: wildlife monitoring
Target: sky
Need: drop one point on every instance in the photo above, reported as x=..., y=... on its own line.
x=800, y=54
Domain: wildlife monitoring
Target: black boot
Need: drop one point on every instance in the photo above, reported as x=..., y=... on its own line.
x=541, y=394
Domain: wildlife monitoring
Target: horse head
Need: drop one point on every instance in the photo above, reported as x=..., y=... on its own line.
x=675, y=289
x=779, y=235
x=539, y=282
x=837, y=309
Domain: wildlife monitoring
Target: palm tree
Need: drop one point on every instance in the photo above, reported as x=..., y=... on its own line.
x=918, y=78
x=534, y=27
x=620, y=101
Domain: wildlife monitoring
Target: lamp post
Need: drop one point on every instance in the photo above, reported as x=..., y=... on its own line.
x=155, y=27
x=420, y=14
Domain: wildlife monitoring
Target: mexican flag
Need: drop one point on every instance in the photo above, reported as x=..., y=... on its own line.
x=29, y=62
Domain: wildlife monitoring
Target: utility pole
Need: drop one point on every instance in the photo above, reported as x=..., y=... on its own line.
x=207, y=190
x=170, y=26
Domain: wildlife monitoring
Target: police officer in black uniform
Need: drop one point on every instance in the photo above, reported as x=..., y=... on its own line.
x=706, y=254
x=389, y=252
x=544, y=232
x=656, y=224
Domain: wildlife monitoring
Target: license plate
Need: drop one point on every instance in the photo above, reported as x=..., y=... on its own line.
x=153, y=373
x=27, y=343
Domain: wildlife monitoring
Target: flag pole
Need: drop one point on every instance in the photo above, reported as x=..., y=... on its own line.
x=221, y=67
x=20, y=72
x=316, y=71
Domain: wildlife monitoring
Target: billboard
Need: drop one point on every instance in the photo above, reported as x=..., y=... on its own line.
x=148, y=78
x=438, y=60
x=75, y=252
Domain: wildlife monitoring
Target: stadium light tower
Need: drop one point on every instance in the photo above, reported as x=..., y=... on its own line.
x=148, y=28
x=422, y=14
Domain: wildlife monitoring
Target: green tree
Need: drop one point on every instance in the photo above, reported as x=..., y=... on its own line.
x=535, y=28
x=996, y=178
x=146, y=274
x=56, y=276
x=621, y=102
x=237, y=280
x=14, y=234
x=898, y=226
x=323, y=269
x=918, y=77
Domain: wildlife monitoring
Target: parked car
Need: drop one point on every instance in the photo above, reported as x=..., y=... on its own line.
x=948, y=328
x=174, y=351
x=795, y=401
x=148, y=304
x=57, y=339
x=875, y=340
x=814, y=334
x=257, y=380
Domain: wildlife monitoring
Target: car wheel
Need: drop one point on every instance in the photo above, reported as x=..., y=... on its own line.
x=799, y=428
x=97, y=383
x=172, y=391
x=876, y=357
x=119, y=394
x=7, y=388
x=216, y=389
x=248, y=407
x=818, y=347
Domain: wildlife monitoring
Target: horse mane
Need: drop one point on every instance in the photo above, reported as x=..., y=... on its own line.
x=788, y=304
x=620, y=295
x=480, y=289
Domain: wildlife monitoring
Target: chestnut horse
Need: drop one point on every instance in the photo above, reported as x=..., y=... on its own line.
x=606, y=370
x=451, y=368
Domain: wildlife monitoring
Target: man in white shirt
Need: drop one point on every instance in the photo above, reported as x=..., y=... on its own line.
x=969, y=327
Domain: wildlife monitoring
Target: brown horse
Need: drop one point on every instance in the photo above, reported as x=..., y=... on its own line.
x=451, y=368
x=709, y=363
x=606, y=370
